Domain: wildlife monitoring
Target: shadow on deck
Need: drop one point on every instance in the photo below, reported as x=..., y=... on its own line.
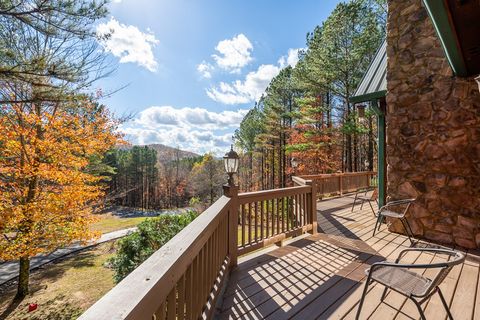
x=320, y=276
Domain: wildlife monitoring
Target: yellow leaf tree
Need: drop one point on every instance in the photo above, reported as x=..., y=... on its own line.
x=46, y=192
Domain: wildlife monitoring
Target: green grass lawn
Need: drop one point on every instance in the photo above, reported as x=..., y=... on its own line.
x=109, y=223
x=65, y=289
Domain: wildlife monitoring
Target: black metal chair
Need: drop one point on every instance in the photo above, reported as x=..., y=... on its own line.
x=362, y=195
x=398, y=277
x=386, y=211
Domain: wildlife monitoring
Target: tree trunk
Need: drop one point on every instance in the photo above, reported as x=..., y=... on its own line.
x=23, y=277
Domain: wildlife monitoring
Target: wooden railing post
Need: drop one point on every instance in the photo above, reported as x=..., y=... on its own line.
x=313, y=206
x=232, y=192
x=340, y=183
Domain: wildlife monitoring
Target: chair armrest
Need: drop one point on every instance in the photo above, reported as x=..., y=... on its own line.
x=399, y=202
x=409, y=265
x=433, y=250
x=396, y=203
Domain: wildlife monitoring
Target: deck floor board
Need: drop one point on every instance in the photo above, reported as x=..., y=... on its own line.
x=322, y=276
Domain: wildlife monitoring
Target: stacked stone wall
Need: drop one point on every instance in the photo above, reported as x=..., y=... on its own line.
x=433, y=131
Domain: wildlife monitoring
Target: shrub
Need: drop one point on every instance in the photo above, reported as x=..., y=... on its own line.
x=151, y=235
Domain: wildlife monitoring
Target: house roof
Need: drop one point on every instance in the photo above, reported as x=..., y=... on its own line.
x=374, y=82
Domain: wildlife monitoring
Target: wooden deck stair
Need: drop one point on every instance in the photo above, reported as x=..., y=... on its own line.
x=321, y=276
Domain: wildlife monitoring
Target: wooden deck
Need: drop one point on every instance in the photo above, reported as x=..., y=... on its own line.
x=322, y=276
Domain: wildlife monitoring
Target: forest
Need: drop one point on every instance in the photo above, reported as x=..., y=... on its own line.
x=159, y=177
x=305, y=123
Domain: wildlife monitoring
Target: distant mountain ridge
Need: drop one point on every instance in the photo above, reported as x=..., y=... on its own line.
x=167, y=154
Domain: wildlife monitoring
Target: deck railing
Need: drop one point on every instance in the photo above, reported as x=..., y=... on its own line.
x=339, y=183
x=181, y=280
x=270, y=216
x=184, y=278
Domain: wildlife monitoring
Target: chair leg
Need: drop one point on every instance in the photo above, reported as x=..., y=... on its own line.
x=445, y=305
x=384, y=294
x=407, y=230
x=353, y=205
x=360, y=304
x=409, y=227
x=371, y=207
x=419, y=307
x=377, y=224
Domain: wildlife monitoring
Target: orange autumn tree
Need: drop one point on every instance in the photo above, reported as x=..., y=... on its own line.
x=46, y=188
x=312, y=139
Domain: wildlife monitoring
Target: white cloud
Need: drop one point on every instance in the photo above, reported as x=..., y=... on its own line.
x=205, y=69
x=255, y=83
x=187, y=118
x=128, y=43
x=245, y=91
x=290, y=59
x=196, y=141
x=194, y=129
x=235, y=53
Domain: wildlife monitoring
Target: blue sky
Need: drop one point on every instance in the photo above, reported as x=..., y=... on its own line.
x=193, y=68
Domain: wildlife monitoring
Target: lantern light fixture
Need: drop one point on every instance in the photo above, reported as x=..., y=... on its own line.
x=231, y=161
x=361, y=111
x=294, y=163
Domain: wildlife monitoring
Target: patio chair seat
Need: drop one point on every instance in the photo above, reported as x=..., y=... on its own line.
x=392, y=214
x=401, y=277
x=403, y=280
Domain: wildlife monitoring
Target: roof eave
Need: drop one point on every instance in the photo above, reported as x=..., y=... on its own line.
x=447, y=35
x=369, y=96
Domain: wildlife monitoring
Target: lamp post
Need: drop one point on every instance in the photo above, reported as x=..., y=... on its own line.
x=231, y=161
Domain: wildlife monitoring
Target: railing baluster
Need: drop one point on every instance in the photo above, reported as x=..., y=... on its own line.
x=250, y=223
x=214, y=254
x=205, y=285
x=262, y=234
x=277, y=217
x=196, y=288
x=210, y=264
x=290, y=212
x=181, y=298
x=305, y=208
x=267, y=228
x=256, y=220
x=295, y=210
x=171, y=304
x=243, y=224
x=189, y=292
x=161, y=312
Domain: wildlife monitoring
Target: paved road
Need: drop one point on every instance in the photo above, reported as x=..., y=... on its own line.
x=9, y=270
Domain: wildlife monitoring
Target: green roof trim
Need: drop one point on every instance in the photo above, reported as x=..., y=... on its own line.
x=369, y=96
x=374, y=83
x=446, y=32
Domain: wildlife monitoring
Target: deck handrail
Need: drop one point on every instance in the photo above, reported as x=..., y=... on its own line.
x=147, y=292
x=337, y=174
x=337, y=183
x=271, y=194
